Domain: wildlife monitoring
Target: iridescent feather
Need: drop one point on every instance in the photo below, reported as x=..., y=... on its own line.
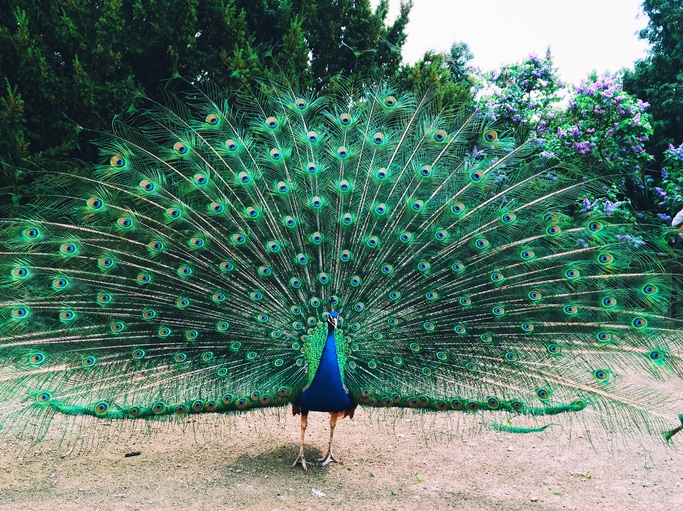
x=192, y=270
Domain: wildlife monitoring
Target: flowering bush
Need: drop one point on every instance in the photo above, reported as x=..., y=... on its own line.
x=606, y=124
x=669, y=192
x=597, y=127
x=522, y=95
x=612, y=204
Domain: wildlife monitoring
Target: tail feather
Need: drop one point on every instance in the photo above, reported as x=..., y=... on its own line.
x=184, y=273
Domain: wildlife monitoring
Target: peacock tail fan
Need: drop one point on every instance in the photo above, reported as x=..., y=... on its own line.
x=190, y=270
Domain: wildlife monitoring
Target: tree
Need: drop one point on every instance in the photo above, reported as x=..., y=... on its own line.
x=606, y=125
x=347, y=38
x=658, y=79
x=522, y=95
x=601, y=130
x=458, y=62
x=447, y=75
x=77, y=64
x=669, y=193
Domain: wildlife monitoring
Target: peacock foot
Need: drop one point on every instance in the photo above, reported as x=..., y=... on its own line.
x=300, y=460
x=328, y=459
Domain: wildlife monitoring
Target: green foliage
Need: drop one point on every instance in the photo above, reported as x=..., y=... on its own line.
x=74, y=64
x=12, y=121
x=347, y=37
x=669, y=193
x=522, y=95
x=658, y=79
x=69, y=65
x=599, y=128
x=605, y=125
x=13, y=124
x=446, y=75
x=457, y=62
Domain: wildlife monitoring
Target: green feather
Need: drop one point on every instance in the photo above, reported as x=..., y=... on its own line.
x=190, y=270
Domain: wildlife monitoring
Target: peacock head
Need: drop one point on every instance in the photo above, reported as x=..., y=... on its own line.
x=333, y=319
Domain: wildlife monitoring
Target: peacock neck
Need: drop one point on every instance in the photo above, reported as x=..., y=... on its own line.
x=327, y=393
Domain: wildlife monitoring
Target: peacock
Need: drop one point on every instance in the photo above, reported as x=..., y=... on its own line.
x=362, y=246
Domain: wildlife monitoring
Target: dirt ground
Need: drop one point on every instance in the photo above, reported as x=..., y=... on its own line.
x=389, y=461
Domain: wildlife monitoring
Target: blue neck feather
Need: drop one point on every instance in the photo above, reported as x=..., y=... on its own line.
x=326, y=393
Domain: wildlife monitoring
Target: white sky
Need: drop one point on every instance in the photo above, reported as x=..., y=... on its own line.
x=584, y=35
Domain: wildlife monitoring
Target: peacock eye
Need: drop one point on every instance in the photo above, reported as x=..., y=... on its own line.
x=117, y=161
x=272, y=123
x=439, y=136
x=490, y=135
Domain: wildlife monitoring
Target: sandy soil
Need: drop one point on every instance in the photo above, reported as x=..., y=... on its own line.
x=388, y=461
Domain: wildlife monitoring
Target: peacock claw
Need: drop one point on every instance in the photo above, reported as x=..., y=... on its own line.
x=300, y=460
x=328, y=459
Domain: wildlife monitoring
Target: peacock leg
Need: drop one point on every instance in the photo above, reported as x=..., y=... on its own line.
x=330, y=457
x=300, y=458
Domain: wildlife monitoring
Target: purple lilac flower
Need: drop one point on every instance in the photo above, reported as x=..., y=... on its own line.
x=588, y=205
x=476, y=153
x=610, y=207
x=636, y=241
x=582, y=147
x=675, y=152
